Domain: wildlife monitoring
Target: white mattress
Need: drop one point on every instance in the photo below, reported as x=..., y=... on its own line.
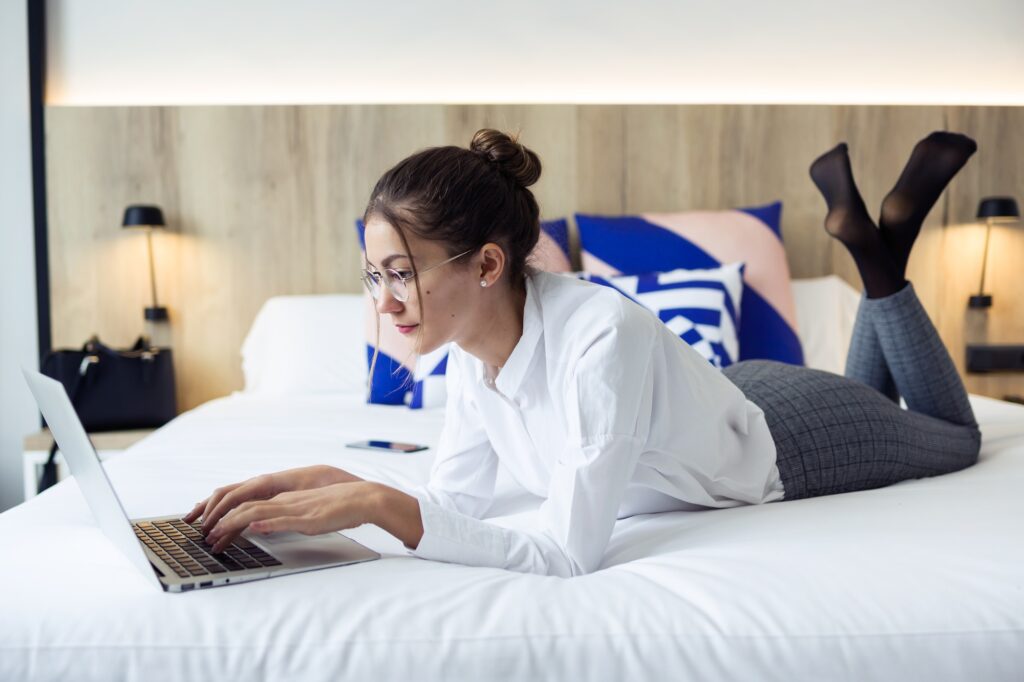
x=922, y=580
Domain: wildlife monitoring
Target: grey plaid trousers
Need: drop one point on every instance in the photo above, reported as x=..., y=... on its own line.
x=836, y=434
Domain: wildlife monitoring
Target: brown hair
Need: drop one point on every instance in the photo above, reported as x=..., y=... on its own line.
x=464, y=198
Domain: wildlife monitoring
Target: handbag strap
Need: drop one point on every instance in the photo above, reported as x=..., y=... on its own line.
x=76, y=390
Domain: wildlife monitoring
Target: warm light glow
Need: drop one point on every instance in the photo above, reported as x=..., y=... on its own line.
x=532, y=94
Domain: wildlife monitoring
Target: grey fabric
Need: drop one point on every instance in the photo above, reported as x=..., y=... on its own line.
x=865, y=361
x=836, y=434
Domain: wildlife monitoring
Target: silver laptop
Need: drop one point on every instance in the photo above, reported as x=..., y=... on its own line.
x=168, y=551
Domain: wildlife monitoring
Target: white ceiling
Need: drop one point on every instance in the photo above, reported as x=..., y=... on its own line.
x=449, y=51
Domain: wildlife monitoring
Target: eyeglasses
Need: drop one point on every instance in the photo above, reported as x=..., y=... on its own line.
x=396, y=281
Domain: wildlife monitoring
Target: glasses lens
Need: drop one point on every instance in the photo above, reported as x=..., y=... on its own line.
x=397, y=286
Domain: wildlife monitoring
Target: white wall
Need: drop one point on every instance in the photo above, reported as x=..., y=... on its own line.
x=18, y=338
x=726, y=51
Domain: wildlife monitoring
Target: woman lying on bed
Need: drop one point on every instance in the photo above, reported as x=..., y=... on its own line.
x=594, y=404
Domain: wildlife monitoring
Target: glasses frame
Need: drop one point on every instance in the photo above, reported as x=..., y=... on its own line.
x=372, y=280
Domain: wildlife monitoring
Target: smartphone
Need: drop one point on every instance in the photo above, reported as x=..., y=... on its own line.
x=387, y=446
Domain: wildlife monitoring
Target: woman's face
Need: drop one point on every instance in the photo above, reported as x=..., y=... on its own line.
x=445, y=301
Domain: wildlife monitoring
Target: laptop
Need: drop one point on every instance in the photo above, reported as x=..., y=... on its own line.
x=169, y=552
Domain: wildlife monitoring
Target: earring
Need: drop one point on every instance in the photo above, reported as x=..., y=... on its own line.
x=483, y=282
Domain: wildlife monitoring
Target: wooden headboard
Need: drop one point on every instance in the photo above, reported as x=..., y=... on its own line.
x=260, y=201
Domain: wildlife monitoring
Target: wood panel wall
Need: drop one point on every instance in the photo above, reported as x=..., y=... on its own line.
x=260, y=201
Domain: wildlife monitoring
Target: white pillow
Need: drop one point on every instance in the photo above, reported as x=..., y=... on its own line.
x=826, y=308
x=306, y=344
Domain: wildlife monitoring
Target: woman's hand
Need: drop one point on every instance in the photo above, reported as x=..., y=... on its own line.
x=311, y=512
x=263, y=487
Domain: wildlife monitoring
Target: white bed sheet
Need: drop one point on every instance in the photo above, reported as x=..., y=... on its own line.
x=921, y=580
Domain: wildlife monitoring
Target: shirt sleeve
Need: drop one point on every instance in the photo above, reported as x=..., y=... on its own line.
x=608, y=400
x=465, y=467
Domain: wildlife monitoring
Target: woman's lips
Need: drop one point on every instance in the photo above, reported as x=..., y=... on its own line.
x=406, y=329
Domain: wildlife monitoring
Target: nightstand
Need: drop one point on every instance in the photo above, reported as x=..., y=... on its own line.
x=37, y=449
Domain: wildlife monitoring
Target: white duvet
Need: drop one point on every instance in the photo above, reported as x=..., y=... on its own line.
x=921, y=580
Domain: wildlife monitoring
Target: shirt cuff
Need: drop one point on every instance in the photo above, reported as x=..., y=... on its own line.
x=456, y=538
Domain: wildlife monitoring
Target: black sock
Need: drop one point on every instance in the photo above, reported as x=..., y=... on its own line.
x=932, y=164
x=848, y=221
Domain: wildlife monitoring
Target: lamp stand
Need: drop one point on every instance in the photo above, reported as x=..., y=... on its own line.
x=154, y=313
x=981, y=299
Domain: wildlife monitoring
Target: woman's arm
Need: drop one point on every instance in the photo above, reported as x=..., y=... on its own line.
x=263, y=487
x=396, y=512
x=339, y=506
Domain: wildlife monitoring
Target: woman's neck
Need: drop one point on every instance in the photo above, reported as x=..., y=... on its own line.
x=501, y=327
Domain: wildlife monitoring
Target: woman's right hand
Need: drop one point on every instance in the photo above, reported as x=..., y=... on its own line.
x=264, y=487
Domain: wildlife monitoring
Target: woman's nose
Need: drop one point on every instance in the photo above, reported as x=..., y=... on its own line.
x=387, y=303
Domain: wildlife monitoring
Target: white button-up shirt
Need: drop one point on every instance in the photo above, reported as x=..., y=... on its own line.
x=601, y=410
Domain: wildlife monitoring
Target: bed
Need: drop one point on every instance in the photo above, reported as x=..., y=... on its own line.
x=921, y=580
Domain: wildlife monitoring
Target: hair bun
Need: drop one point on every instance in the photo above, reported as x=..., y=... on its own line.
x=514, y=159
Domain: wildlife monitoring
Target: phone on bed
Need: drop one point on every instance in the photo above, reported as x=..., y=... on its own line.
x=386, y=446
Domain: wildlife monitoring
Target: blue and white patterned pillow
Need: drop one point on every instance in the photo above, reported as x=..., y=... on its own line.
x=701, y=307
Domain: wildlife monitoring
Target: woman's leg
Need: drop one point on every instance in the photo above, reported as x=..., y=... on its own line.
x=920, y=365
x=865, y=361
x=838, y=434
x=881, y=255
x=932, y=163
x=834, y=434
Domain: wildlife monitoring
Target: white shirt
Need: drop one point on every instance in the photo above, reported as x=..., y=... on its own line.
x=601, y=410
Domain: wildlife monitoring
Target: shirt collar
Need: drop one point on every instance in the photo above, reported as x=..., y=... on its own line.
x=511, y=376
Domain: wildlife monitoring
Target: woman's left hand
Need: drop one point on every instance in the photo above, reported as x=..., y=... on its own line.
x=311, y=512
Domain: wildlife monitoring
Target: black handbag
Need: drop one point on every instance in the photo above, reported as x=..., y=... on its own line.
x=112, y=389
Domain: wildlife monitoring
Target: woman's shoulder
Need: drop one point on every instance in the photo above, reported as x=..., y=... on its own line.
x=580, y=311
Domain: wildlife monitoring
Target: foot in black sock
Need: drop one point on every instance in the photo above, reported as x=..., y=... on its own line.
x=848, y=221
x=932, y=164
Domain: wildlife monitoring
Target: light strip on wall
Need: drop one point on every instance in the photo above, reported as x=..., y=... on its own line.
x=818, y=96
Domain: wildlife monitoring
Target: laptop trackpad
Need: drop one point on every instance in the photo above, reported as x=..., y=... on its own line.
x=296, y=549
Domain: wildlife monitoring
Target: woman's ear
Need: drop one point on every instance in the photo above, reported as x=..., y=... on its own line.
x=492, y=263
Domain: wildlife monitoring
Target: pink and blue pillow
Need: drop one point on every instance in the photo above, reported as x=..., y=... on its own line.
x=402, y=378
x=661, y=242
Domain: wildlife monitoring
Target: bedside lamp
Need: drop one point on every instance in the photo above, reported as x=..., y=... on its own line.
x=992, y=210
x=147, y=217
x=994, y=357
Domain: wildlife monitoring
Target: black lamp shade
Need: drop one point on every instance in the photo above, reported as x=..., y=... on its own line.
x=140, y=215
x=998, y=207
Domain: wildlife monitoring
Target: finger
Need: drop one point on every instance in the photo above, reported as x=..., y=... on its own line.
x=252, y=489
x=196, y=511
x=279, y=524
x=234, y=523
x=213, y=500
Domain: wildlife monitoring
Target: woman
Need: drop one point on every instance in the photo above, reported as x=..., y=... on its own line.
x=592, y=403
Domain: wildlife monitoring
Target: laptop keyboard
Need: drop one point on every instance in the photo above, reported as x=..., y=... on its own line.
x=182, y=547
